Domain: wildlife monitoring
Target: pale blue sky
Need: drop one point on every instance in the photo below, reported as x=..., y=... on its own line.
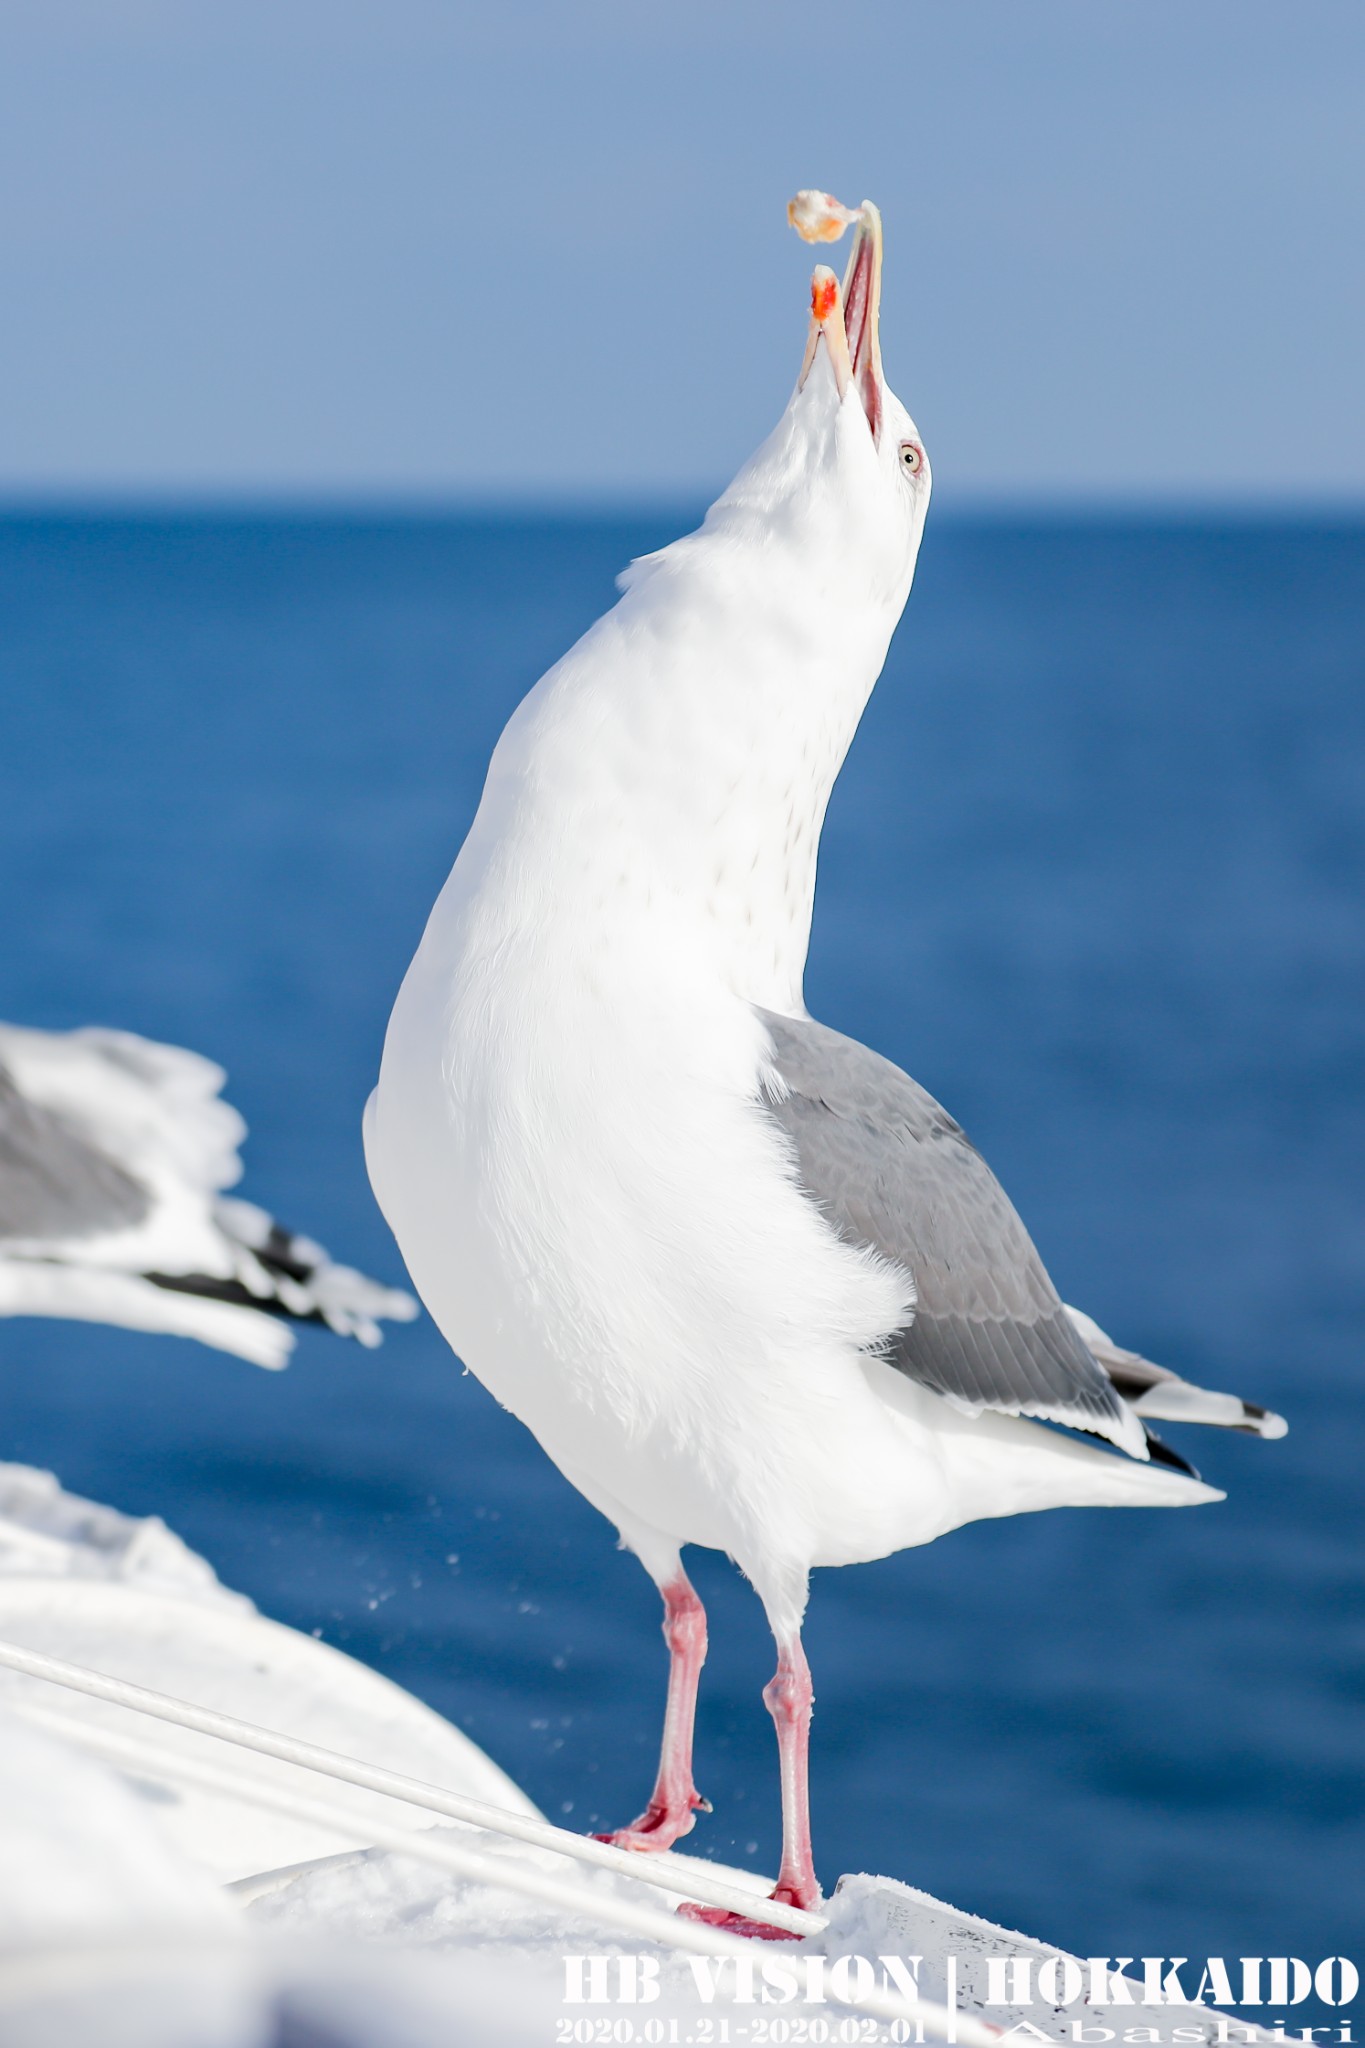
x=418, y=248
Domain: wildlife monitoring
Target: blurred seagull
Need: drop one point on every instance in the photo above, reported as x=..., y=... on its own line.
x=749, y=1285
x=113, y=1154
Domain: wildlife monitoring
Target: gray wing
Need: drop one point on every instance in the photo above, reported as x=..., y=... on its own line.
x=891, y=1170
x=54, y=1183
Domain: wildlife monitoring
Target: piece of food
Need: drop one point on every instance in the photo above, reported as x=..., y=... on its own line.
x=818, y=216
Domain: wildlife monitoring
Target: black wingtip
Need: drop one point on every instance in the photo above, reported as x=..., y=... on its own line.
x=209, y=1288
x=1162, y=1454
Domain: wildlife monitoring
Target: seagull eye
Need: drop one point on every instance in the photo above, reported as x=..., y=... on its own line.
x=912, y=457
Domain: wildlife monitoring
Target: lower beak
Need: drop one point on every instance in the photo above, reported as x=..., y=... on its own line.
x=846, y=319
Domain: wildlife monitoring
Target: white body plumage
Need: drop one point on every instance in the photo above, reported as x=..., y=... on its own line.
x=568, y=1135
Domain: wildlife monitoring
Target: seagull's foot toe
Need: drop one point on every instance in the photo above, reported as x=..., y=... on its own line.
x=659, y=1826
x=736, y=1923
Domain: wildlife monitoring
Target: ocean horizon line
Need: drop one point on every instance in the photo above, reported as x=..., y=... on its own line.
x=223, y=504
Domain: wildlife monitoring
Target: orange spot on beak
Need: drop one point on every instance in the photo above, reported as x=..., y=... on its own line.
x=827, y=323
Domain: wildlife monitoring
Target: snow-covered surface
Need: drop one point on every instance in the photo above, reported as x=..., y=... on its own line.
x=116, y=1927
x=384, y=1900
x=46, y=1533
x=380, y=1897
x=110, y=1938
x=180, y=1633
x=876, y=1916
x=125, y=1880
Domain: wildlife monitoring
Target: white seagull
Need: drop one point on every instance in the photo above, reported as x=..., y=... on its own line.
x=749, y=1285
x=114, y=1152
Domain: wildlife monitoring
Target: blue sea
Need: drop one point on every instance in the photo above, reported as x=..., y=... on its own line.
x=1095, y=873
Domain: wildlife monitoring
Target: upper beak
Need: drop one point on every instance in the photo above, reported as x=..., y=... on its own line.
x=847, y=318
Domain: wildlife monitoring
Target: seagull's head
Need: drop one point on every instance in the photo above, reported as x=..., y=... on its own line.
x=844, y=477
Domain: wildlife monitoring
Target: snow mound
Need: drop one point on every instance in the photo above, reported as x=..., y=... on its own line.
x=78, y=1858
x=237, y=1663
x=379, y=1896
x=113, y=1930
x=50, y=1534
x=877, y=1916
x=127, y=1598
x=108, y=1935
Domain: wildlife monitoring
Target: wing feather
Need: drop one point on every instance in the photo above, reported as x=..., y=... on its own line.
x=55, y=1182
x=892, y=1171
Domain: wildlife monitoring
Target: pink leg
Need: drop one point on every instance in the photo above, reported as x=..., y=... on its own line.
x=789, y=1698
x=674, y=1798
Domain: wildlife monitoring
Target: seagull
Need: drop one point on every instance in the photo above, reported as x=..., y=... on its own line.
x=114, y=1152
x=749, y=1285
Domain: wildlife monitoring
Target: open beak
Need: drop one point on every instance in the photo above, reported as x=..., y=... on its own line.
x=846, y=318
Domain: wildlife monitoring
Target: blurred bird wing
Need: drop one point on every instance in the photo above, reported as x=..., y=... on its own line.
x=114, y=1151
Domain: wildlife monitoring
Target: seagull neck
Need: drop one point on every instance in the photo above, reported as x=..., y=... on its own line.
x=715, y=731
